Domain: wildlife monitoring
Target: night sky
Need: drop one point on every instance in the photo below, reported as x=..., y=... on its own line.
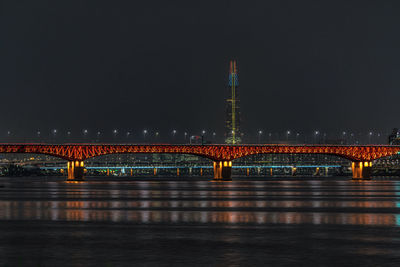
x=163, y=65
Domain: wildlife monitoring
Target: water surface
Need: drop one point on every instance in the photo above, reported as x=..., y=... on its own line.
x=180, y=221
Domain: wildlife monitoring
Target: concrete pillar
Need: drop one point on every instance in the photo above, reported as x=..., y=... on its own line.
x=361, y=169
x=75, y=170
x=223, y=170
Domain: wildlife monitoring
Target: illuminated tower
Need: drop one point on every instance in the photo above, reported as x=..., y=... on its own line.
x=233, y=134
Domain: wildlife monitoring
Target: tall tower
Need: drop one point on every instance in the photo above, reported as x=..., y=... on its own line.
x=233, y=134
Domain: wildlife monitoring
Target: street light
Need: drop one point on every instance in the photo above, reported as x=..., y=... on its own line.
x=287, y=135
x=54, y=134
x=144, y=134
x=316, y=133
x=259, y=136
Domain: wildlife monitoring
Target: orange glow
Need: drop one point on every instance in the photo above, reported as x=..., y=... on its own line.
x=80, y=152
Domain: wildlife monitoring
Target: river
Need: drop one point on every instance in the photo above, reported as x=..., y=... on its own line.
x=46, y=221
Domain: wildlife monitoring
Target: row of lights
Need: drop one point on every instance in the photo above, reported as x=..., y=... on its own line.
x=203, y=132
x=115, y=132
x=260, y=132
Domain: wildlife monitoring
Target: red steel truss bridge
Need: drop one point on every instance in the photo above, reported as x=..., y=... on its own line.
x=361, y=156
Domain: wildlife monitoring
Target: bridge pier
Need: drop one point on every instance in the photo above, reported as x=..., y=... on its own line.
x=361, y=170
x=222, y=170
x=75, y=170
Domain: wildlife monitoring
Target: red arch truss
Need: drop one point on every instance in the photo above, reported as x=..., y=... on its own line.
x=213, y=152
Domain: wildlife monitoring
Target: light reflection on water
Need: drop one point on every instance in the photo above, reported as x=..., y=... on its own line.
x=319, y=202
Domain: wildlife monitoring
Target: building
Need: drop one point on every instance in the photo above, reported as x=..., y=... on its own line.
x=233, y=133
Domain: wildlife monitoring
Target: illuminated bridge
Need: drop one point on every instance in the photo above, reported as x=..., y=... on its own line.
x=221, y=155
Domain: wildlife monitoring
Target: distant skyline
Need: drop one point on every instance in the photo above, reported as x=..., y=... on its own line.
x=100, y=65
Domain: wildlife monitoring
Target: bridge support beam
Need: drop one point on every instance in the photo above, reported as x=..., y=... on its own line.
x=222, y=170
x=361, y=170
x=76, y=170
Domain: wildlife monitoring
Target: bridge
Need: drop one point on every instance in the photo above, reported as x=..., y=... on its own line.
x=222, y=155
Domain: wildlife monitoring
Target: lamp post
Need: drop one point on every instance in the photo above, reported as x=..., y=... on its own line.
x=173, y=135
x=54, y=131
x=316, y=134
x=287, y=135
x=259, y=136
x=85, y=132
x=115, y=133
x=144, y=134
x=98, y=136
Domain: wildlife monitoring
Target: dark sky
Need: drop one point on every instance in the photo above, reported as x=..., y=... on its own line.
x=303, y=65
